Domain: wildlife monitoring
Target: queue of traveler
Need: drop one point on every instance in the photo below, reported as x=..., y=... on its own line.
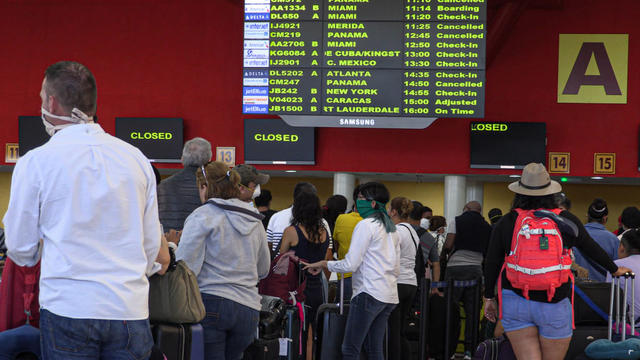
x=88, y=209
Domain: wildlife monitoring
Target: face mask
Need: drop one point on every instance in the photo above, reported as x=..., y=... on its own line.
x=364, y=208
x=256, y=192
x=77, y=117
x=424, y=223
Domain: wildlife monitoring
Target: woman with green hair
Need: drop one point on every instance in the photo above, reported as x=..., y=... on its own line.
x=374, y=260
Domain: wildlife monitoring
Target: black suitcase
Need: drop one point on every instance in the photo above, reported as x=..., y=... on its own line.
x=174, y=340
x=263, y=349
x=331, y=321
x=599, y=293
x=583, y=336
x=616, y=306
x=330, y=327
x=436, y=319
x=293, y=331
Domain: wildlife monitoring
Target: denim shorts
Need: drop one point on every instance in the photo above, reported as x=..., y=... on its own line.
x=553, y=320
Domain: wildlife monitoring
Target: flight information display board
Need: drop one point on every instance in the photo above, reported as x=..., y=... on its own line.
x=364, y=63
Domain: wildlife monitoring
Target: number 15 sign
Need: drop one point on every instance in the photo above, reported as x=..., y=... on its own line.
x=604, y=163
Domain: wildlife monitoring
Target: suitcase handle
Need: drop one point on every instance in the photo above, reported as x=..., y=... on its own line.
x=341, y=304
x=615, y=296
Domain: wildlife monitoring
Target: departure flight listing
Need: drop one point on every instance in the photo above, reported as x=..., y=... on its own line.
x=364, y=63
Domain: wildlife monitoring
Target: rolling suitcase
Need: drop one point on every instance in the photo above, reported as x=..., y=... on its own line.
x=590, y=319
x=331, y=321
x=294, y=331
x=628, y=346
x=197, y=342
x=174, y=340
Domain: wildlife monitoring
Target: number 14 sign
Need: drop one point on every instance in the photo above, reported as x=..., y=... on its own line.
x=559, y=162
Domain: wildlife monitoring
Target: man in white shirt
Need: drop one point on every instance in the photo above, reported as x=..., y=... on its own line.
x=86, y=202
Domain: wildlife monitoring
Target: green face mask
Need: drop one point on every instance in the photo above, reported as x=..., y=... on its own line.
x=364, y=208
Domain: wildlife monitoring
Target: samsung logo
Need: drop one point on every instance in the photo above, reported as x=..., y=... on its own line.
x=357, y=122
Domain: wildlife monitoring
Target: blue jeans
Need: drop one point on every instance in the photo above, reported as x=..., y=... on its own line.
x=23, y=339
x=229, y=328
x=366, y=325
x=66, y=338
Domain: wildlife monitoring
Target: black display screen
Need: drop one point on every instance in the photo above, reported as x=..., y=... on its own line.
x=393, y=63
x=507, y=145
x=159, y=139
x=31, y=133
x=272, y=141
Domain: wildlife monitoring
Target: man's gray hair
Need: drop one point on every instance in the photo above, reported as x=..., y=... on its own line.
x=196, y=152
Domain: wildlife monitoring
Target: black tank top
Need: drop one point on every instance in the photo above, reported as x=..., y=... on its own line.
x=311, y=252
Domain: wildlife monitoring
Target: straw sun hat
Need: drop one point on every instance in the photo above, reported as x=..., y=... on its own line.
x=535, y=181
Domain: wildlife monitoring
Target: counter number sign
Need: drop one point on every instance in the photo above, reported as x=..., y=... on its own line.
x=559, y=162
x=604, y=163
x=11, y=153
x=226, y=155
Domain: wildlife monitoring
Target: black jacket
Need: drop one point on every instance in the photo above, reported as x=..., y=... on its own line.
x=177, y=197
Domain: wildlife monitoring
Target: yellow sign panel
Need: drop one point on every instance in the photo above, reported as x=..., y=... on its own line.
x=11, y=153
x=559, y=162
x=226, y=155
x=592, y=68
x=604, y=163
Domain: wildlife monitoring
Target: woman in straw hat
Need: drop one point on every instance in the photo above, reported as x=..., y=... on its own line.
x=537, y=328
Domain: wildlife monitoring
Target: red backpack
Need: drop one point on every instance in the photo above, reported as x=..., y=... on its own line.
x=537, y=259
x=285, y=279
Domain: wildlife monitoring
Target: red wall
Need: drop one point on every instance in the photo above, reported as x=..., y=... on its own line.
x=183, y=59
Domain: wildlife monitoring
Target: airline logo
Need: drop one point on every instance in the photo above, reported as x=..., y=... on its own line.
x=255, y=77
x=255, y=81
x=256, y=54
x=256, y=30
x=255, y=91
x=256, y=8
x=256, y=63
x=256, y=44
x=258, y=11
x=255, y=109
x=255, y=100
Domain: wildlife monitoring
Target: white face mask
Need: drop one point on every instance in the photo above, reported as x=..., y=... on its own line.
x=256, y=192
x=424, y=223
x=77, y=117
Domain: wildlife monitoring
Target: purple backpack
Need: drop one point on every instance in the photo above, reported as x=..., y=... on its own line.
x=495, y=349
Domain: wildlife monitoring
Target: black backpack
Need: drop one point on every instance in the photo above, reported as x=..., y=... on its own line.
x=420, y=266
